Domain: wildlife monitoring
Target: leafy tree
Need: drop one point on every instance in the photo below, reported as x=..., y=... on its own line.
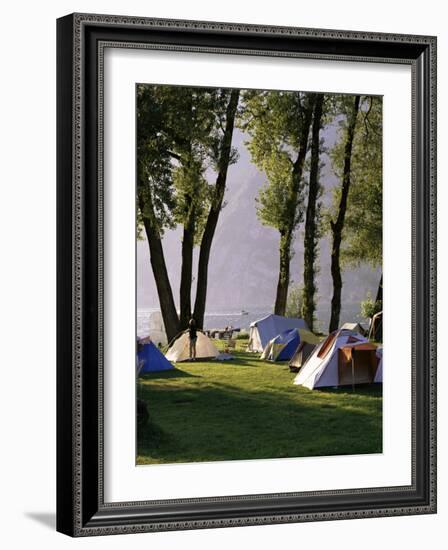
x=155, y=195
x=222, y=155
x=312, y=232
x=370, y=307
x=184, y=140
x=361, y=237
x=343, y=164
x=363, y=241
x=188, y=126
x=279, y=124
x=296, y=301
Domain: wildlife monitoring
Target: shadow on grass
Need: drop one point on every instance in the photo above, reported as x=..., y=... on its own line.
x=238, y=359
x=152, y=433
x=167, y=374
x=372, y=390
x=241, y=358
x=223, y=422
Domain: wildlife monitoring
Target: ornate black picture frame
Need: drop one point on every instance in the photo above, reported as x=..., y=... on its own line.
x=81, y=509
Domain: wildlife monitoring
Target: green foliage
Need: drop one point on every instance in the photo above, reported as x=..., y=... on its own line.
x=179, y=134
x=362, y=234
x=364, y=219
x=273, y=200
x=155, y=192
x=370, y=307
x=274, y=121
x=294, y=306
x=192, y=196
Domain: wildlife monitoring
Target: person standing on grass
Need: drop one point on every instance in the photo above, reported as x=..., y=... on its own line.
x=193, y=335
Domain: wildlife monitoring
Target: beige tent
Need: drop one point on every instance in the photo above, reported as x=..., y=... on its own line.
x=180, y=349
x=355, y=327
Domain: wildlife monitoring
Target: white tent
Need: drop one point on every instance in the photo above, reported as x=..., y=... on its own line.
x=157, y=329
x=180, y=349
x=331, y=362
x=379, y=370
x=263, y=330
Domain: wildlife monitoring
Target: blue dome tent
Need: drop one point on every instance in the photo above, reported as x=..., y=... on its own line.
x=152, y=359
x=285, y=344
x=290, y=341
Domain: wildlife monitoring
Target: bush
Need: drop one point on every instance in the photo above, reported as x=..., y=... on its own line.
x=294, y=307
x=370, y=307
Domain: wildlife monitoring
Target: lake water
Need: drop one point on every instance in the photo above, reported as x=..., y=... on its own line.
x=223, y=318
x=217, y=319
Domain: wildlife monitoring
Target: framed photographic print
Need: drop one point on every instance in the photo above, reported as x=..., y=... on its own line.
x=246, y=274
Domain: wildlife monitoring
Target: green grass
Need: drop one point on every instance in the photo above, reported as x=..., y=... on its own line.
x=250, y=409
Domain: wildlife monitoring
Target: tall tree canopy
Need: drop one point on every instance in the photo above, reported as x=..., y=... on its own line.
x=181, y=133
x=313, y=210
x=363, y=235
x=357, y=160
x=343, y=163
x=155, y=194
x=364, y=220
x=279, y=124
x=222, y=155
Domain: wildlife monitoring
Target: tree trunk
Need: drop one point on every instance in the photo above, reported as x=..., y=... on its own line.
x=310, y=244
x=337, y=283
x=215, y=210
x=186, y=273
x=283, y=274
x=164, y=291
x=338, y=226
x=287, y=233
x=379, y=294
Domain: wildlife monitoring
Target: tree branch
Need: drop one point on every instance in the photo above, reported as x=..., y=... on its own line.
x=174, y=155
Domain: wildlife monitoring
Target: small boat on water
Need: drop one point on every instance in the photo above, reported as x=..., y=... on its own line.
x=244, y=312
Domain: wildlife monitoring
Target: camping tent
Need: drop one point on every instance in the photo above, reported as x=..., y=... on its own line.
x=343, y=358
x=379, y=370
x=180, y=349
x=300, y=356
x=376, y=327
x=356, y=327
x=283, y=346
x=151, y=359
x=157, y=328
x=265, y=329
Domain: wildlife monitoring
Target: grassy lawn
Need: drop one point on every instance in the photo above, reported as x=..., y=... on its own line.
x=250, y=409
